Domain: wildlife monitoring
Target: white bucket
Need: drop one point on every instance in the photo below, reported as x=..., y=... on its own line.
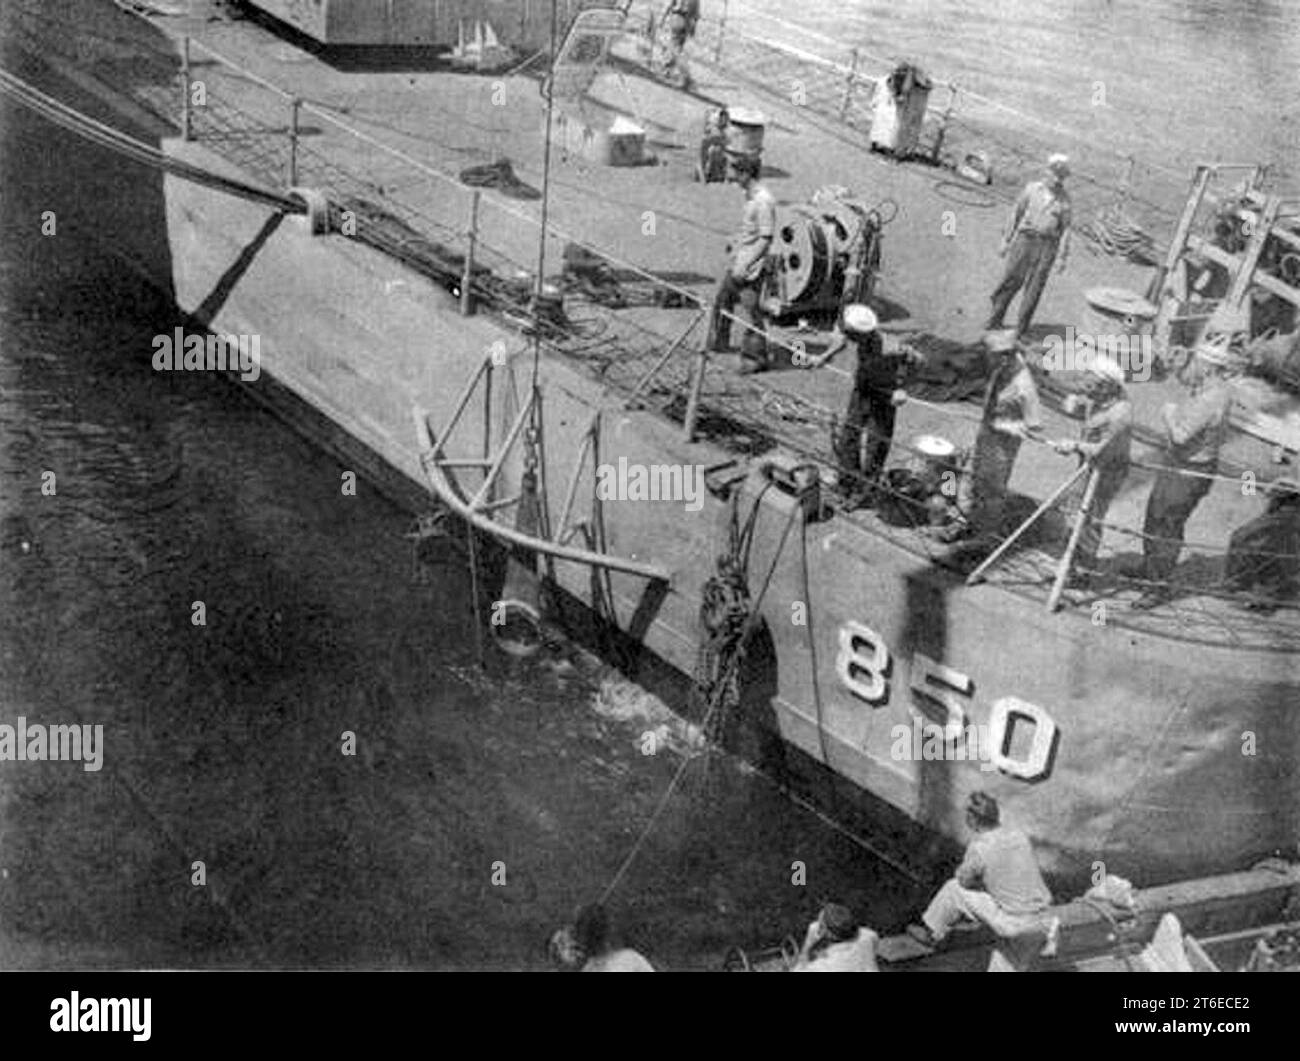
x=746, y=133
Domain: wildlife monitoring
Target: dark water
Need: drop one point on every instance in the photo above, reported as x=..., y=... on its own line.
x=223, y=741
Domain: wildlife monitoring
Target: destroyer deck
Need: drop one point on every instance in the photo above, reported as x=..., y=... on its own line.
x=939, y=265
x=364, y=136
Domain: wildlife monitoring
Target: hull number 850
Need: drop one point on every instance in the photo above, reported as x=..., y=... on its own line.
x=865, y=667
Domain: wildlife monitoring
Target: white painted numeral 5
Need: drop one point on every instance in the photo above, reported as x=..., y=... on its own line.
x=932, y=681
x=863, y=663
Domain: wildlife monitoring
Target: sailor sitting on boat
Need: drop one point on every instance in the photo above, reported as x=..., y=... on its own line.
x=835, y=944
x=586, y=945
x=997, y=883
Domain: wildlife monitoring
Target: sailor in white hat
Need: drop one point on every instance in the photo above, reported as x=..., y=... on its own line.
x=883, y=369
x=863, y=322
x=1105, y=442
x=1195, y=431
x=1037, y=234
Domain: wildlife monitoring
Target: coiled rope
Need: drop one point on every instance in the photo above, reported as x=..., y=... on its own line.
x=1117, y=234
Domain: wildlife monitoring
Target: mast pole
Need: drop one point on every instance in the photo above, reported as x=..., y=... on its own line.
x=546, y=196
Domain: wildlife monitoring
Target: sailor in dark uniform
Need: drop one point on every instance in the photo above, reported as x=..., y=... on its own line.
x=1264, y=554
x=882, y=371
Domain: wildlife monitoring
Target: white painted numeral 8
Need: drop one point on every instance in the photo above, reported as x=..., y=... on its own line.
x=863, y=663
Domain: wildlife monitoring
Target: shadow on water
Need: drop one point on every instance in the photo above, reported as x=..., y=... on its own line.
x=301, y=763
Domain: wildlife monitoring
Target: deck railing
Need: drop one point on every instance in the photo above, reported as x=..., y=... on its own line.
x=635, y=357
x=283, y=139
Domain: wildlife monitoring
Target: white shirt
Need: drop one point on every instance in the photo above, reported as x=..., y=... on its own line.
x=757, y=227
x=857, y=955
x=619, y=961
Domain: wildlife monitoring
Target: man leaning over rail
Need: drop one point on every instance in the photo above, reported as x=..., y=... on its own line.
x=1105, y=442
x=1038, y=235
x=1195, y=432
x=998, y=882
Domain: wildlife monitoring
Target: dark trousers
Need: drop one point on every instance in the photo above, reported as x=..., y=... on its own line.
x=753, y=345
x=873, y=411
x=1029, y=263
x=1264, y=554
x=1173, y=499
x=982, y=494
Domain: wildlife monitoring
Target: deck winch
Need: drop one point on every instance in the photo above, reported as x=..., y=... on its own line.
x=825, y=253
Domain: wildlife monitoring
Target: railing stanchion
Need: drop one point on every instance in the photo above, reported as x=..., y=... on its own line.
x=693, y=400
x=187, y=131
x=295, y=105
x=633, y=399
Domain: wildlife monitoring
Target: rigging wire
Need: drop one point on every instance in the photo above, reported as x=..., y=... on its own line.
x=546, y=201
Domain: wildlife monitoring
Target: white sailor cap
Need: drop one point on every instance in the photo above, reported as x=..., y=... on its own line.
x=1219, y=353
x=1059, y=163
x=860, y=319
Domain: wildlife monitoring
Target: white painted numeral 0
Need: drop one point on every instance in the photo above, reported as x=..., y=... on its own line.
x=866, y=674
x=1034, y=764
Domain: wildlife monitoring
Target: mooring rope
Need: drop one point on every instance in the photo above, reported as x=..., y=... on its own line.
x=98, y=132
x=751, y=624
